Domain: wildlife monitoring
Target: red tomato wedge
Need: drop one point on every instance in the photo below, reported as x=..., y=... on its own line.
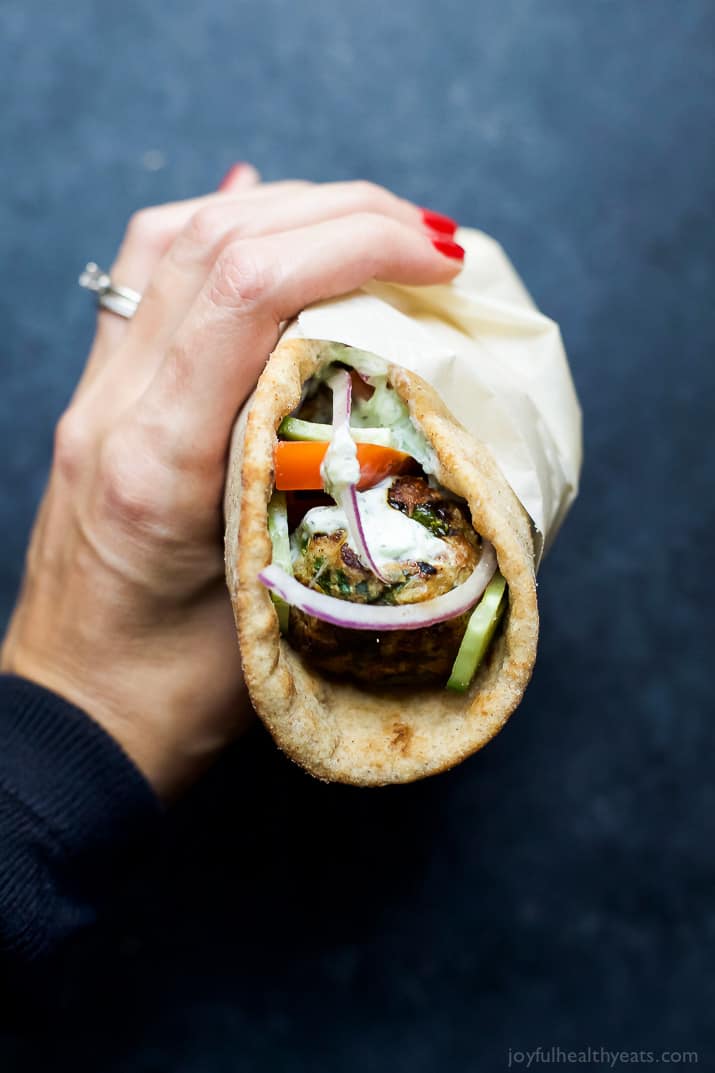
x=297, y=464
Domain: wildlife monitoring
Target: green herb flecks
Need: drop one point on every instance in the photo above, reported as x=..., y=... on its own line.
x=343, y=585
x=426, y=516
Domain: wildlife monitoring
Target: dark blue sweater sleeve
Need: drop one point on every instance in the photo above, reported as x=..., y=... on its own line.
x=73, y=811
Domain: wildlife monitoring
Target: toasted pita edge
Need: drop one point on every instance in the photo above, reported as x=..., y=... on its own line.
x=333, y=728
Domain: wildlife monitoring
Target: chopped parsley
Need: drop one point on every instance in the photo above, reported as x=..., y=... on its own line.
x=426, y=516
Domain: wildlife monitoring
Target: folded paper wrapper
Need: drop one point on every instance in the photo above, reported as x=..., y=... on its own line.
x=498, y=364
x=500, y=367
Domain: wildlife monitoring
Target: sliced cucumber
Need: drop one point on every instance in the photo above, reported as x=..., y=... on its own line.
x=292, y=428
x=479, y=632
x=278, y=530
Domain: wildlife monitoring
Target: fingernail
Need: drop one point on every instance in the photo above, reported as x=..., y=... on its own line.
x=449, y=249
x=232, y=174
x=444, y=224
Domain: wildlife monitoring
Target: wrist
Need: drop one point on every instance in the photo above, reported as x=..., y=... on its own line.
x=156, y=730
x=94, y=699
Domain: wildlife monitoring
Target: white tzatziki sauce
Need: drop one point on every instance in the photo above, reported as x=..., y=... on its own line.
x=393, y=536
x=340, y=465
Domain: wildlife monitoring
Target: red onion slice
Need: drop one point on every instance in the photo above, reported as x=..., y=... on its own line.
x=345, y=492
x=348, y=502
x=378, y=617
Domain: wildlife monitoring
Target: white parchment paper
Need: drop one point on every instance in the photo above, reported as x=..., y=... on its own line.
x=496, y=361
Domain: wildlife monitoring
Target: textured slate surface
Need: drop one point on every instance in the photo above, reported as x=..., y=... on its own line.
x=557, y=889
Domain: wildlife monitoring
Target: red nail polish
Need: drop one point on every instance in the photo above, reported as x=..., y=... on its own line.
x=448, y=249
x=438, y=222
x=231, y=174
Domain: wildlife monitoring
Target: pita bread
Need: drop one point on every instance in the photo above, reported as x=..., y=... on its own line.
x=333, y=728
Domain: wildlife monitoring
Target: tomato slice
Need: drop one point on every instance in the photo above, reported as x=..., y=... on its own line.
x=297, y=464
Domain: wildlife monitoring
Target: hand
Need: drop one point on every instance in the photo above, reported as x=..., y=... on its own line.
x=124, y=609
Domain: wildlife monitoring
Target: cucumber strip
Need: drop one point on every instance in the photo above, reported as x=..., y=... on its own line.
x=278, y=531
x=292, y=428
x=479, y=632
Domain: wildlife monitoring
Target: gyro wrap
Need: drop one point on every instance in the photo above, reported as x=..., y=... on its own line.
x=487, y=384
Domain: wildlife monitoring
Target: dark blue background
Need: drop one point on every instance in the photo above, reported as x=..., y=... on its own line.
x=557, y=889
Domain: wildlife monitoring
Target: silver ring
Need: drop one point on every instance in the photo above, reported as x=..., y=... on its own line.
x=120, y=300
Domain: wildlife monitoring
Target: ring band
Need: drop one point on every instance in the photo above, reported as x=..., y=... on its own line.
x=120, y=300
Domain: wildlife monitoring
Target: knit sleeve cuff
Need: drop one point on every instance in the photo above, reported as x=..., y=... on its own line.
x=70, y=774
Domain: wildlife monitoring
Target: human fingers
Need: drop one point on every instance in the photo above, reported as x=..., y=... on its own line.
x=218, y=351
x=151, y=230
x=239, y=176
x=149, y=234
x=182, y=271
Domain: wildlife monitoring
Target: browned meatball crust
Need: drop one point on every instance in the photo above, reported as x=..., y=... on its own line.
x=328, y=564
